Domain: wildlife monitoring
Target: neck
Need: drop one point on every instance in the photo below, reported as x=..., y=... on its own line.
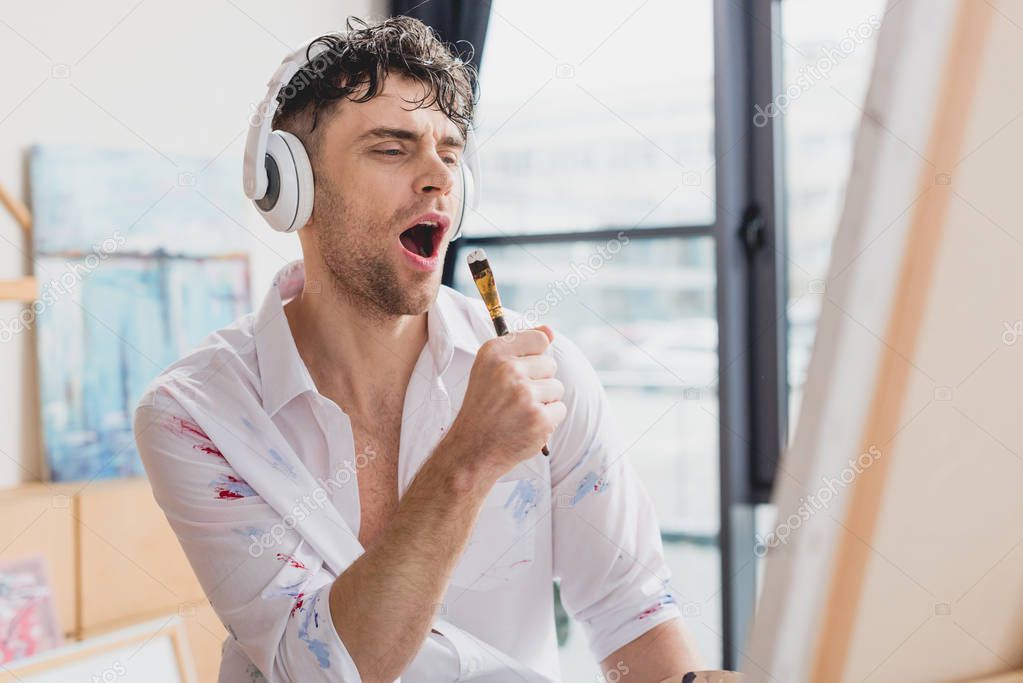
x=356, y=357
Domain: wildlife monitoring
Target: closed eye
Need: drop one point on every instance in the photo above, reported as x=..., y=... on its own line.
x=453, y=161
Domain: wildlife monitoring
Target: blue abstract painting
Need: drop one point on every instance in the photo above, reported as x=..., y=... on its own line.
x=138, y=258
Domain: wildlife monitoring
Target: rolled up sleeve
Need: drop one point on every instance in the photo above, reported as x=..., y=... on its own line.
x=607, y=544
x=269, y=588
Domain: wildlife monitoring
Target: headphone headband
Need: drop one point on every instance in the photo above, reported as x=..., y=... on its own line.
x=253, y=172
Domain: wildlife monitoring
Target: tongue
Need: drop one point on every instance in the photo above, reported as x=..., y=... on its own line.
x=417, y=239
x=409, y=243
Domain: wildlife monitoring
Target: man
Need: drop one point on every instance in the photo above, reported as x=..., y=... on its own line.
x=385, y=411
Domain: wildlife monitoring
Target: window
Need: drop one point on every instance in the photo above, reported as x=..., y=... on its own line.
x=597, y=118
x=819, y=127
x=596, y=137
x=827, y=51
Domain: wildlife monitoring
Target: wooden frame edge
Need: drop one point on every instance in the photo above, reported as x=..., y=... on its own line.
x=146, y=631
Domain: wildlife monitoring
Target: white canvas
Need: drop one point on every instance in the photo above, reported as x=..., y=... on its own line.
x=940, y=594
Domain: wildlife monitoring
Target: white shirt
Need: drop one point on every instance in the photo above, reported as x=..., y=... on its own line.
x=581, y=515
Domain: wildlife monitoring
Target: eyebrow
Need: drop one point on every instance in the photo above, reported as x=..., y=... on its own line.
x=404, y=134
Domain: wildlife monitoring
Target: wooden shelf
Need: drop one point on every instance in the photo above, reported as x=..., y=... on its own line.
x=19, y=289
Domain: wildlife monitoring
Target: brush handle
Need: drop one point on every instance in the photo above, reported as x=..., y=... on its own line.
x=484, y=279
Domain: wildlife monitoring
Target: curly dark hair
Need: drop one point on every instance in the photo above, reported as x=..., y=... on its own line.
x=366, y=54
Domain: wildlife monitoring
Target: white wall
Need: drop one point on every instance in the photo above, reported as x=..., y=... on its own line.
x=178, y=77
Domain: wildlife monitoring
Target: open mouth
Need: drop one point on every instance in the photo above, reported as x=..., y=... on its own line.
x=421, y=239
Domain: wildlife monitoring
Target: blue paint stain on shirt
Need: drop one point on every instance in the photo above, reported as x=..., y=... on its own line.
x=280, y=464
x=524, y=495
x=254, y=673
x=315, y=645
x=245, y=421
x=228, y=487
x=591, y=483
x=253, y=533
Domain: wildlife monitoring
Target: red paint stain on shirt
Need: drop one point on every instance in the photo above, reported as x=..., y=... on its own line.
x=299, y=600
x=290, y=559
x=187, y=428
x=649, y=611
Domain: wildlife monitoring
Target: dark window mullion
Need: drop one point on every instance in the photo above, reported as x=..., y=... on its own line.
x=750, y=295
x=591, y=235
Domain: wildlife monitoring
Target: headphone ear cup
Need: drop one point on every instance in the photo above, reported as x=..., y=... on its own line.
x=306, y=184
x=288, y=202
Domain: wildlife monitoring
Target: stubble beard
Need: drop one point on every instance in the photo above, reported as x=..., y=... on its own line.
x=354, y=249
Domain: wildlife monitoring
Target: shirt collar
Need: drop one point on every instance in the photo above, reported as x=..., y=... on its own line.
x=283, y=373
x=449, y=326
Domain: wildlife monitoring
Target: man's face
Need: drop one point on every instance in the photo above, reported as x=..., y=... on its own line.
x=374, y=182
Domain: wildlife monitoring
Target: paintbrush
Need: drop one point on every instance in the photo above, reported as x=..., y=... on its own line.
x=483, y=276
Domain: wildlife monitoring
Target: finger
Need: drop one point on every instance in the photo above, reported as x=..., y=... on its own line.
x=538, y=367
x=555, y=411
x=547, y=390
x=546, y=330
x=529, y=342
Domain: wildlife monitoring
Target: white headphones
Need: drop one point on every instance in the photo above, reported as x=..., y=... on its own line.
x=276, y=172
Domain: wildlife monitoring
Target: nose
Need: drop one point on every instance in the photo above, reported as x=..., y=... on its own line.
x=437, y=177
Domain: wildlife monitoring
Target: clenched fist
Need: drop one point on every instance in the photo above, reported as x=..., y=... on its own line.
x=513, y=401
